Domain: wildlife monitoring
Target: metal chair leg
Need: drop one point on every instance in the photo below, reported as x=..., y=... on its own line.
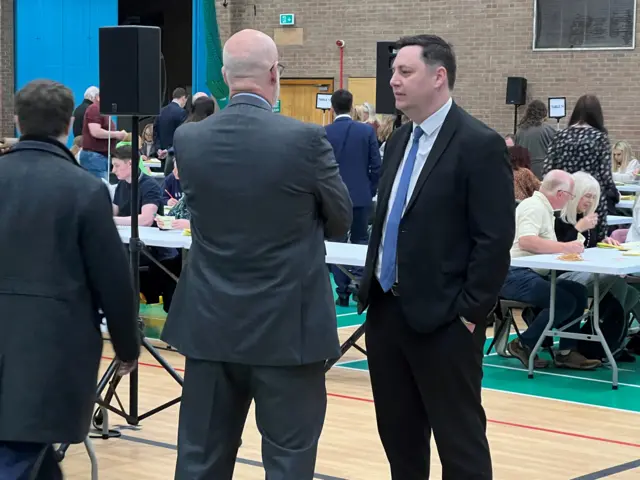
x=92, y=456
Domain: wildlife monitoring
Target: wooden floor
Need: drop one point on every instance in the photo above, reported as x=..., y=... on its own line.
x=531, y=437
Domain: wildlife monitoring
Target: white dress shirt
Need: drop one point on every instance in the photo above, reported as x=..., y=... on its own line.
x=431, y=127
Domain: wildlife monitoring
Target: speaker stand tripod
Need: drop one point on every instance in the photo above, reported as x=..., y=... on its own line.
x=112, y=376
x=515, y=118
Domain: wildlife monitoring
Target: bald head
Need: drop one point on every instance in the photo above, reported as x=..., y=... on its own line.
x=248, y=54
x=558, y=187
x=250, y=59
x=198, y=95
x=557, y=180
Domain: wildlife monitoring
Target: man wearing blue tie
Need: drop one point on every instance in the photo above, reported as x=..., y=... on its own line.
x=356, y=150
x=438, y=256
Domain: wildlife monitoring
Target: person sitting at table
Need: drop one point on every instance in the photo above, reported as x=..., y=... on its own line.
x=623, y=164
x=155, y=282
x=524, y=180
x=172, y=191
x=535, y=234
x=179, y=209
x=578, y=218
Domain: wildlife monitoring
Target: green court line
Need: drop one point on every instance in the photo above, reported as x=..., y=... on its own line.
x=575, y=386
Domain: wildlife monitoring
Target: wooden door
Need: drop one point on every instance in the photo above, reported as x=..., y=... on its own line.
x=298, y=99
x=363, y=90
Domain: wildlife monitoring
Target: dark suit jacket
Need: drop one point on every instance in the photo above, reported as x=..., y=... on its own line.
x=457, y=229
x=78, y=117
x=356, y=149
x=164, y=126
x=62, y=261
x=264, y=192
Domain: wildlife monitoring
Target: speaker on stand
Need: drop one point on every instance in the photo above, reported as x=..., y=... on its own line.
x=516, y=96
x=130, y=86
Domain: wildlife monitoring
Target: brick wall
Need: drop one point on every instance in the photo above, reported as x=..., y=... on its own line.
x=6, y=68
x=492, y=39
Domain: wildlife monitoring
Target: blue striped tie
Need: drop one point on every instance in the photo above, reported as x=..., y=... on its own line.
x=390, y=245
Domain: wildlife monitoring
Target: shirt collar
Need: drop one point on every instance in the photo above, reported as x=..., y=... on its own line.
x=435, y=121
x=253, y=95
x=342, y=115
x=545, y=201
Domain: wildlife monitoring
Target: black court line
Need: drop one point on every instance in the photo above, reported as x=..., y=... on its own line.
x=607, y=472
x=243, y=461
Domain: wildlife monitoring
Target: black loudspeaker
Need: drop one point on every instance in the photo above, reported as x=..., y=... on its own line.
x=385, y=101
x=130, y=77
x=516, y=91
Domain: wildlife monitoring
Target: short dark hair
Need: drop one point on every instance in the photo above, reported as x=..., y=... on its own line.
x=123, y=152
x=44, y=108
x=435, y=52
x=179, y=93
x=588, y=110
x=342, y=101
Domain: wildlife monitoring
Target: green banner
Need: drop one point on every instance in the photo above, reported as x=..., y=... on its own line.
x=215, y=81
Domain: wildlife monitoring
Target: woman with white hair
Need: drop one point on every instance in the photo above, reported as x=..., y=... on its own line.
x=578, y=221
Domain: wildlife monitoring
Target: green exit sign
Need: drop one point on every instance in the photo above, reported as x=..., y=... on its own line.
x=287, y=19
x=276, y=107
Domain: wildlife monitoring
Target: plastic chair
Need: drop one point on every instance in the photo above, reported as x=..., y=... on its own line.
x=620, y=235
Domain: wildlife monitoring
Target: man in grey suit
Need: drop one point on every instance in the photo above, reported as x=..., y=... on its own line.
x=253, y=312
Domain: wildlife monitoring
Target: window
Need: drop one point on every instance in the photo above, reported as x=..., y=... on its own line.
x=584, y=24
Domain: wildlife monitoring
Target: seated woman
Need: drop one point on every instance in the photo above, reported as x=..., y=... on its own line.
x=155, y=282
x=179, y=209
x=624, y=165
x=524, y=181
x=172, y=191
x=578, y=220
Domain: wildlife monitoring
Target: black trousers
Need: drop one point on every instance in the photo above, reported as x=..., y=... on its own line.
x=423, y=383
x=359, y=235
x=290, y=406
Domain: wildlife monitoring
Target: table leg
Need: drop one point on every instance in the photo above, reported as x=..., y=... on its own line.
x=596, y=329
x=552, y=314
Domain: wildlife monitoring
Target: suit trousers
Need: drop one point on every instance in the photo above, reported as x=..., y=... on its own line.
x=358, y=234
x=28, y=461
x=423, y=383
x=290, y=407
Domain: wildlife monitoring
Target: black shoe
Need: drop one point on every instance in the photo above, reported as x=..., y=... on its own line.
x=342, y=301
x=625, y=356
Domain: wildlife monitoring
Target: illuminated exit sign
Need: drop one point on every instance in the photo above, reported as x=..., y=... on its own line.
x=287, y=19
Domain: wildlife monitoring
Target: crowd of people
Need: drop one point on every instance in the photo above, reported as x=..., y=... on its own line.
x=564, y=184
x=253, y=312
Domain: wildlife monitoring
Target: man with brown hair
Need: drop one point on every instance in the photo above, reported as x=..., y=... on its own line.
x=64, y=264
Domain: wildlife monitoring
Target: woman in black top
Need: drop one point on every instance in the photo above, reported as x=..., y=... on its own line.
x=577, y=220
x=584, y=146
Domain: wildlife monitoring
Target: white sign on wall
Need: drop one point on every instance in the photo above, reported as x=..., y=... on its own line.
x=323, y=101
x=557, y=107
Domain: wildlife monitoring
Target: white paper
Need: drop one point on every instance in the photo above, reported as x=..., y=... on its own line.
x=557, y=107
x=323, y=101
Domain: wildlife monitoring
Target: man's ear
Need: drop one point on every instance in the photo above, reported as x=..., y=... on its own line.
x=224, y=75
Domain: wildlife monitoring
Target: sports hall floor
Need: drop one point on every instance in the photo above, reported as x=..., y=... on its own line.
x=560, y=425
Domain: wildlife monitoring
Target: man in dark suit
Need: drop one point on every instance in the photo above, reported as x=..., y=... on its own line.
x=253, y=312
x=356, y=149
x=62, y=264
x=438, y=255
x=170, y=118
